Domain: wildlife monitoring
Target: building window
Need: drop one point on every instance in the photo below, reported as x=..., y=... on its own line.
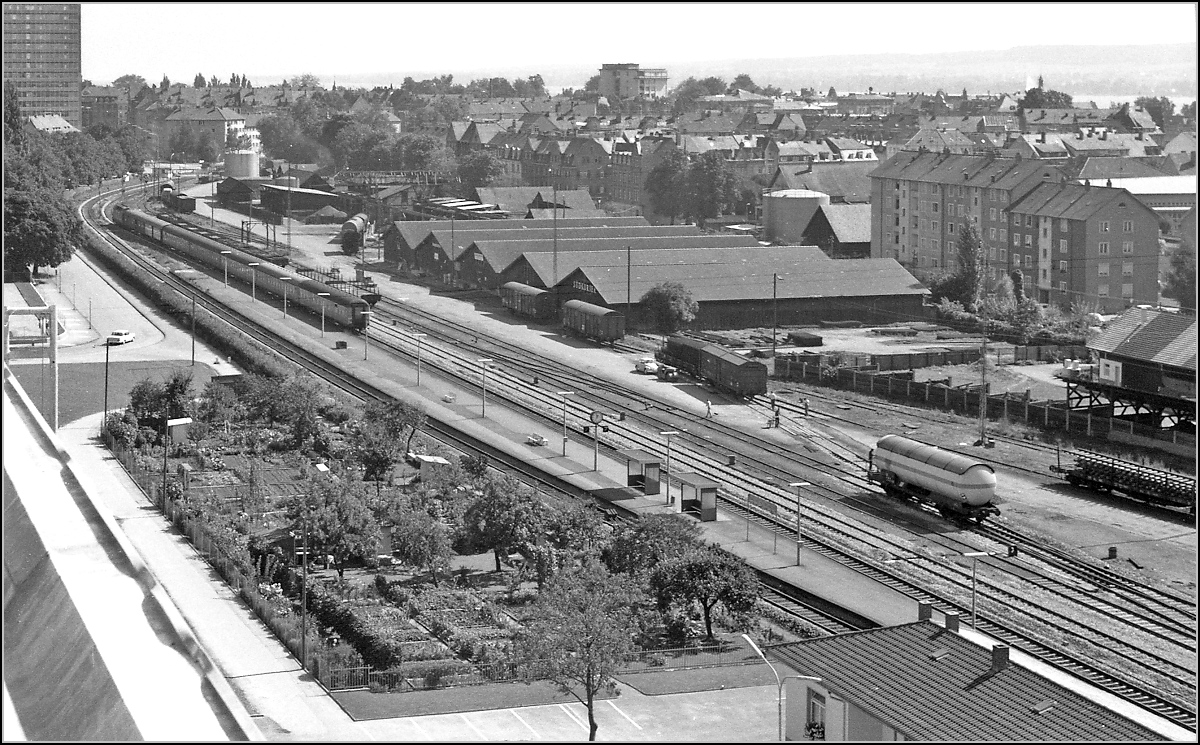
x=1062, y=286
x=937, y=226
x=1062, y=225
x=1003, y=235
x=1062, y=245
x=1003, y=197
x=992, y=213
x=1029, y=221
x=991, y=234
x=1127, y=290
x=1062, y=266
x=1104, y=226
x=1103, y=248
x=1127, y=268
x=1127, y=226
x=1016, y=220
x=1127, y=248
x=1004, y=254
x=1016, y=239
x=1102, y=290
x=814, y=726
x=950, y=228
x=935, y=245
x=1028, y=261
x=935, y=263
x=1102, y=269
x=1028, y=240
x=960, y=210
x=936, y=206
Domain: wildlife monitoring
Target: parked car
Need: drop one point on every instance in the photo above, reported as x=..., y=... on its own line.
x=120, y=337
x=647, y=366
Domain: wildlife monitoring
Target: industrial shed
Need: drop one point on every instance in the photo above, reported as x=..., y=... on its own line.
x=738, y=294
x=239, y=191
x=278, y=198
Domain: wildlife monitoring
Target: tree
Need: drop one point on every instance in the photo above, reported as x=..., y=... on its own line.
x=1159, y=109
x=199, y=81
x=305, y=80
x=504, y=517
x=581, y=634
x=637, y=548
x=832, y=93
x=376, y=440
x=479, y=168
x=742, y=82
x=970, y=266
x=337, y=519
x=420, y=538
x=12, y=115
x=39, y=229
x=1018, y=284
x=130, y=81
x=706, y=576
x=1180, y=282
x=592, y=85
x=670, y=306
x=1038, y=98
x=711, y=187
x=666, y=184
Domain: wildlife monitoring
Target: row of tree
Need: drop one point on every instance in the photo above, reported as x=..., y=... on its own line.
x=696, y=189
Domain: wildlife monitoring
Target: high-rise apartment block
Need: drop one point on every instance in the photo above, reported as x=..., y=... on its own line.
x=627, y=80
x=42, y=58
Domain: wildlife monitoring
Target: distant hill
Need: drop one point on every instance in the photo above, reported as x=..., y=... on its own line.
x=1167, y=69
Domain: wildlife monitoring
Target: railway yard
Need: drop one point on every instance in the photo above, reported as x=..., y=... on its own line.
x=1104, y=590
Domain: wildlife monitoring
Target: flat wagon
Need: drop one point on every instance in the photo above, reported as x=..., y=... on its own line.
x=593, y=321
x=1107, y=474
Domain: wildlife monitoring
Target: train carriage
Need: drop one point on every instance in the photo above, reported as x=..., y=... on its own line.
x=339, y=306
x=684, y=352
x=957, y=485
x=731, y=372
x=593, y=321
x=524, y=300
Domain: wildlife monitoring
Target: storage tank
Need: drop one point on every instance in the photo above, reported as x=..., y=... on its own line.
x=356, y=224
x=786, y=213
x=241, y=164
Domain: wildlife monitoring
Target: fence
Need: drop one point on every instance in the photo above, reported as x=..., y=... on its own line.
x=915, y=360
x=1006, y=406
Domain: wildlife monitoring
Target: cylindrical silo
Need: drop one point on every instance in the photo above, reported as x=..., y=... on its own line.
x=786, y=213
x=241, y=164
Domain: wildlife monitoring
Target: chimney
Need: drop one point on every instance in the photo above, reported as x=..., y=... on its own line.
x=1141, y=136
x=952, y=621
x=1104, y=135
x=924, y=611
x=999, y=657
x=1042, y=136
x=1142, y=315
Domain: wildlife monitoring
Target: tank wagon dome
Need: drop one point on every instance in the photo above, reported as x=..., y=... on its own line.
x=930, y=455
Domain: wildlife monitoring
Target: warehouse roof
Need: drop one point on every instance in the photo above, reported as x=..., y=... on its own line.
x=851, y=223
x=748, y=276
x=1151, y=335
x=934, y=685
x=500, y=254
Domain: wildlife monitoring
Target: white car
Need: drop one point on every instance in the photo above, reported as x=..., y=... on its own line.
x=647, y=366
x=120, y=337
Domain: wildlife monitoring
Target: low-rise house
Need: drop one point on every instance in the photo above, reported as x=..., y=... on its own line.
x=843, y=231
x=51, y=123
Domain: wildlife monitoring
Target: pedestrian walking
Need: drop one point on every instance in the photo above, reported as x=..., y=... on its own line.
x=708, y=413
x=777, y=417
x=806, y=407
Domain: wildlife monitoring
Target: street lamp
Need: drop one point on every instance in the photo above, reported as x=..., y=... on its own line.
x=104, y=421
x=366, y=314
x=778, y=681
x=253, y=276
x=774, y=311
x=484, y=361
x=564, y=394
x=225, y=265
x=322, y=295
x=974, y=556
x=797, y=485
x=285, y=280
x=419, y=337
x=667, y=472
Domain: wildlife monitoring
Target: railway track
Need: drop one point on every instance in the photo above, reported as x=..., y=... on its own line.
x=1181, y=714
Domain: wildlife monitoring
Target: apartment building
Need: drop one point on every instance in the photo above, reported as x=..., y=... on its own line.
x=921, y=201
x=629, y=80
x=42, y=58
x=1082, y=243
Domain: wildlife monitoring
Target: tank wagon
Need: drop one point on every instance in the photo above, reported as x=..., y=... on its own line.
x=956, y=485
x=339, y=306
x=724, y=369
x=524, y=300
x=593, y=321
x=1106, y=474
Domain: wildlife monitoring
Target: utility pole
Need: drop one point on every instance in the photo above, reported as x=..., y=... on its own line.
x=628, y=281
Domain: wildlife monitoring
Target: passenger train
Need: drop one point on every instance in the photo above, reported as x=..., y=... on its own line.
x=339, y=306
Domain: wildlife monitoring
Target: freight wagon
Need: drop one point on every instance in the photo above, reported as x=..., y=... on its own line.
x=956, y=485
x=732, y=373
x=524, y=300
x=337, y=305
x=179, y=202
x=593, y=321
x=1107, y=474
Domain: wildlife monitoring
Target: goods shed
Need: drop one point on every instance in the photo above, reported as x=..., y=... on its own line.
x=278, y=198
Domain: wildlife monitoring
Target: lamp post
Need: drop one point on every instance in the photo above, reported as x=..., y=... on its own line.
x=484, y=361
x=667, y=472
x=253, y=276
x=285, y=281
x=774, y=312
x=225, y=265
x=104, y=421
x=974, y=556
x=778, y=681
x=193, y=329
x=419, y=337
x=796, y=485
x=366, y=314
x=322, y=295
x=564, y=394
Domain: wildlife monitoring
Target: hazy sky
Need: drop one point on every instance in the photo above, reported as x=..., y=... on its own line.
x=270, y=41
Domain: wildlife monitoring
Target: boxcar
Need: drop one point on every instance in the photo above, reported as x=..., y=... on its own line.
x=527, y=301
x=179, y=202
x=684, y=352
x=593, y=321
x=731, y=372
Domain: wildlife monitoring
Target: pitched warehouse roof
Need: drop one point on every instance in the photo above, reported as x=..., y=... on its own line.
x=934, y=685
x=1163, y=338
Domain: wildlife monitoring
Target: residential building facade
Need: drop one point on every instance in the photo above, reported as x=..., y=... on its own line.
x=42, y=58
x=629, y=80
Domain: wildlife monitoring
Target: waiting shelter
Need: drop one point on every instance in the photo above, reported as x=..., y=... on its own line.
x=643, y=470
x=698, y=494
